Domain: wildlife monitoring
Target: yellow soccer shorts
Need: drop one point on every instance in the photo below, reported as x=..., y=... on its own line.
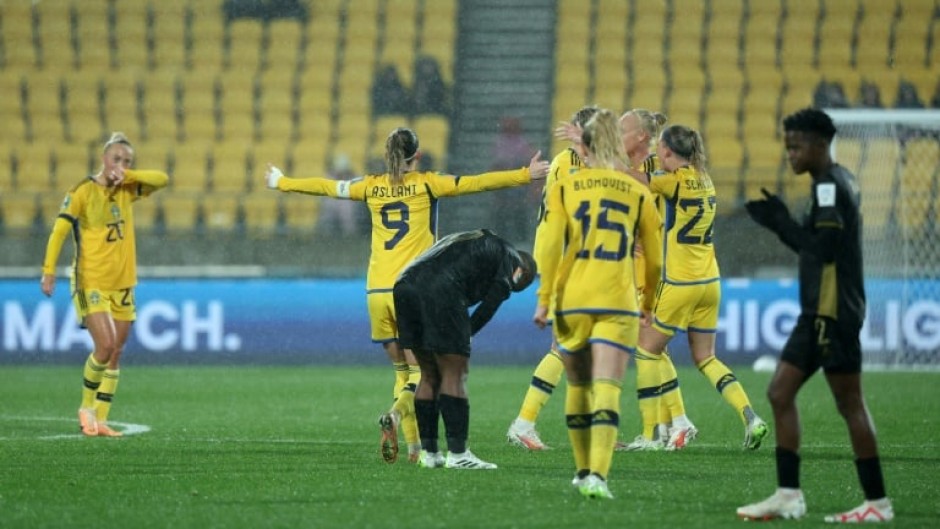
x=382, y=319
x=576, y=331
x=118, y=303
x=683, y=308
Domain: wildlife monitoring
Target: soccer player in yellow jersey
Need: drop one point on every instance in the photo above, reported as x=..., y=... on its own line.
x=594, y=218
x=403, y=206
x=658, y=393
x=689, y=297
x=98, y=213
x=548, y=372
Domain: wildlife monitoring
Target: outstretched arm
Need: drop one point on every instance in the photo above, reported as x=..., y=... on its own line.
x=319, y=186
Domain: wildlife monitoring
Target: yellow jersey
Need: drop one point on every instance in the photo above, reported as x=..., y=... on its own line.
x=593, y=221
x=404, y=216
x=690, y=204
x=101, y=221
x=563, y=164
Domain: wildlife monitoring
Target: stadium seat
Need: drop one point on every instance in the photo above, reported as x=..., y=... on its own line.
x=918, y=183
x=301, y=212
x=19, y=52
x=131, y=31
x=180, y=210
x=261, y=210
x=19, y=210
x=220, y=212
x=434, y=134
x=159, y=106
x=878, y=174
x=206, y=54
x=244, y=44
x=169, y=52
x=229, y=173
x=94, y=48
x=871, y=51
x=54, y=37
x=121, y=104
x=835, y=50
x=146, y=212
x=309, y=157
x=911, y=32
x=283, y=45
x=74, y=162
x=190, y=168
x=34, y=167
x=83, y=108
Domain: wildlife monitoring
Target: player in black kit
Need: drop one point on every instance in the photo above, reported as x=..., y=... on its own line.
x=832, y=302
x=432, y=300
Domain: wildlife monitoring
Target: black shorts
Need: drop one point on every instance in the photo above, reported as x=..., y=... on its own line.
x=819, y=342
x=431, y=324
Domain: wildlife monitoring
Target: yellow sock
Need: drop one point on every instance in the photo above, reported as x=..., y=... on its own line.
x=578, y=419
x=605, y=422
x=401, y=377
x=726, y=384
x=546, y=377
x=648, y=382
x=405, y=406
x=106, y=391
x=672, y=404
x=92, y=380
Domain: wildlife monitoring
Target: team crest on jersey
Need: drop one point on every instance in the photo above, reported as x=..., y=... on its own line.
x=115, y=211
x=95, y=297
x=826, y=195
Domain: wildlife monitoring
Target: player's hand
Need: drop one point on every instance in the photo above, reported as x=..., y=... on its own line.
x=272, y=176
x=116, y=177
x=646, y=318
x=769, y=211
x=47, y=284
x=538, y=169
x=568, y=131
x=540, y=319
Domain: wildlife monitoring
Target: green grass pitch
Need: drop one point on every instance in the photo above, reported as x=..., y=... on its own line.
x=233, y=447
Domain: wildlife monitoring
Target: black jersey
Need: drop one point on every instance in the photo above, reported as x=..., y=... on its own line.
x=467, y=267
x=831, y=272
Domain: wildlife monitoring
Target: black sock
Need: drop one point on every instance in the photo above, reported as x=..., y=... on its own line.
x=456, y=414
x=788, y=468
x=869, y=474
x=427, y=413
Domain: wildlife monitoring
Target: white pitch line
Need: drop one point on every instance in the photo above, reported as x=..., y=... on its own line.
x=126, y=428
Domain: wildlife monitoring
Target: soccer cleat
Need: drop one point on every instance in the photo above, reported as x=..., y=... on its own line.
x=525, y=436
x=679, y=438
x=593, y=486
x=784, y=503
x=579, y=478
x=869, y=511
x=642, y=444
x=105, y=431
x=388, y=422
x=467, y=461
x=755, y=433
x=430, y=459
x=87, y=422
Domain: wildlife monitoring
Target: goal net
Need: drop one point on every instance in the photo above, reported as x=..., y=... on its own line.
x=895, y=154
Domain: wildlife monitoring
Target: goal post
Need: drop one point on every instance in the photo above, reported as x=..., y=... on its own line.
x=895, y=156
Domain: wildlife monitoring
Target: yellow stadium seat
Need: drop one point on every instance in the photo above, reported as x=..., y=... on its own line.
x=261, y=210
x=83, y=107
x=179, y=210
x=434, y=135
x=220, y=211
x=34, y=167
x=244, y=51
x=275, y=152
x=284, y=36
x=145, y=213
x=229, y=173
x=190, y=168
x=301, y=212
x=877, y=172
x=73, y=162
x=309, y=159
x=17, y=35
x=19, y=210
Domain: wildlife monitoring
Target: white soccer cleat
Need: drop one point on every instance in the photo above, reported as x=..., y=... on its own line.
x=642, y=444
x=593, y=486
x=869, y=511
x=787, y=504
x=467, y=461
x=523, y=433
x=578, y=480
x=430, y=459
x=679, y=438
